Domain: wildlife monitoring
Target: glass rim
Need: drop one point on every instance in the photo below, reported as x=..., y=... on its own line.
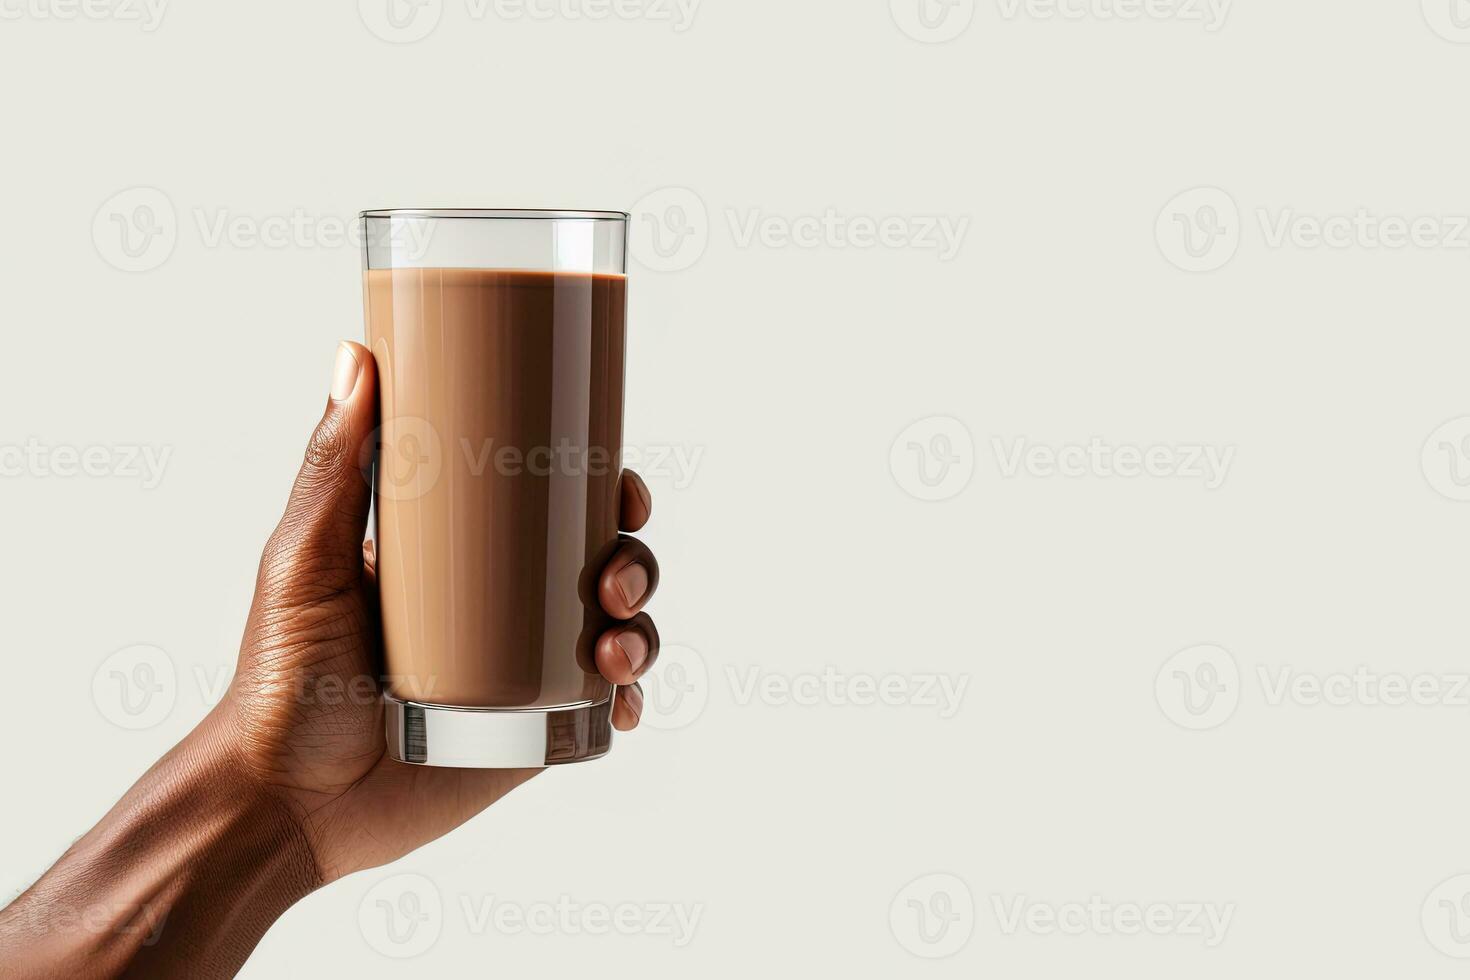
x=523, y=214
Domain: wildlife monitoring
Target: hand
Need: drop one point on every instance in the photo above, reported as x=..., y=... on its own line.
x=303, y=712
x=286, y=785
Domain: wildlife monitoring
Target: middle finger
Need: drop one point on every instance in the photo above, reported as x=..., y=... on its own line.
x=629, y=580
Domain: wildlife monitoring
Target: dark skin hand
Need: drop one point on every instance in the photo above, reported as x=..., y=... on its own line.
x=286, y=785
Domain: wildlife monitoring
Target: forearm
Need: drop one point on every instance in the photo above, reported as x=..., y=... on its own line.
x=180, y=879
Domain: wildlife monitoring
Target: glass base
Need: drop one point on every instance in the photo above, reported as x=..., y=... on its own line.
x=496, y=738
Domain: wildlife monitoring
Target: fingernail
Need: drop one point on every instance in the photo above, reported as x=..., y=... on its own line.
x=634, y=647
x=633, y=580
x=634, y=697
x=344, y=373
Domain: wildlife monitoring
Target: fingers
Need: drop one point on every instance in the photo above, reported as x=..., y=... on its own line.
x=637, y=502
x=326, y=516
x=629, y=580
x=370, y=562
x=626, y=652
x=627, y=708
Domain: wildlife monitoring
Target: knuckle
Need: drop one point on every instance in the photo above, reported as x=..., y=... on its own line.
x=330, y=445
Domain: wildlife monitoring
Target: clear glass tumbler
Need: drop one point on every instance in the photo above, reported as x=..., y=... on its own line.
x=499, y=339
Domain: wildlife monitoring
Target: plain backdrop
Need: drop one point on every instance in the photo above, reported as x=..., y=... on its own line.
x=825, y=379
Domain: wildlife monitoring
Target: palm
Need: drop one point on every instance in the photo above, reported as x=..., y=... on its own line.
x=308, y=692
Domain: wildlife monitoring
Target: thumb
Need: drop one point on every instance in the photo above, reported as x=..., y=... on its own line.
x=321, y=534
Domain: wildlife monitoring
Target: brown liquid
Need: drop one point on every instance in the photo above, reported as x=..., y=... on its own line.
x=502, y=410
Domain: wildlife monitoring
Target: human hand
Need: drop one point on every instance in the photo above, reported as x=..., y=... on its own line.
x=286, y=785
x=302, y=718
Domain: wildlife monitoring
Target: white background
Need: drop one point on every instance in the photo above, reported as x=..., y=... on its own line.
x=1073, y=768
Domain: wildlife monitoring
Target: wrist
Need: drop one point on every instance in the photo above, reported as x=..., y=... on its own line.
x=187, y=872
x=241, y=854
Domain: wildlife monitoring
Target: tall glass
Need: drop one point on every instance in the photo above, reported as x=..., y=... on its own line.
x=499, y=341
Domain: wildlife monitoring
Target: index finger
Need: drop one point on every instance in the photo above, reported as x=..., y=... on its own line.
x=637, y=502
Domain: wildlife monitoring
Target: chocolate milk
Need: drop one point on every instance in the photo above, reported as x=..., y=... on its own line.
x=497, y=480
